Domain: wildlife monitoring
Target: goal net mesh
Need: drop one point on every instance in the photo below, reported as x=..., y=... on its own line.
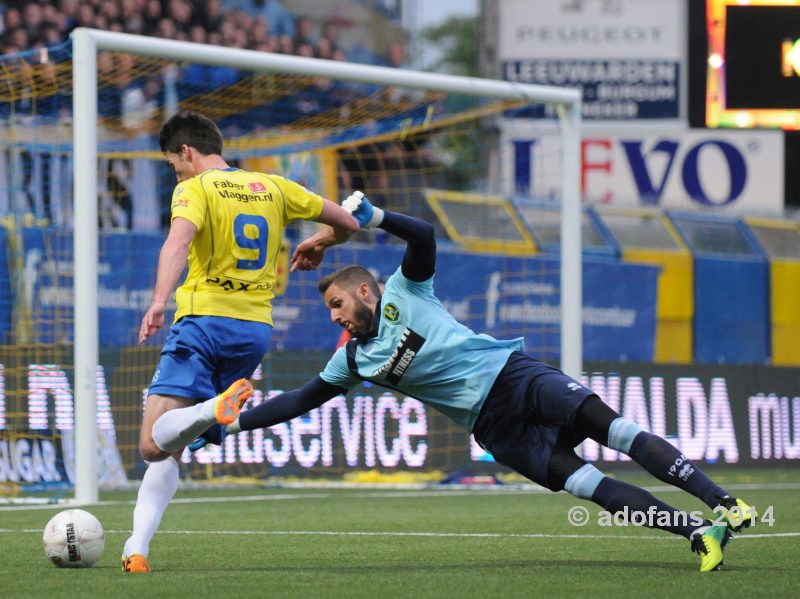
x=449, y=159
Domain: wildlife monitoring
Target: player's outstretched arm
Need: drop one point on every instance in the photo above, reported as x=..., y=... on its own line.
x=289, y=405
x=341, y=225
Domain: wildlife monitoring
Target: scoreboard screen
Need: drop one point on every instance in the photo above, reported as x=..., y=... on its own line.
x=753, y=64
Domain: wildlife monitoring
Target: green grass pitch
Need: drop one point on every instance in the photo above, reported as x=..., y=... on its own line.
x=424, y=543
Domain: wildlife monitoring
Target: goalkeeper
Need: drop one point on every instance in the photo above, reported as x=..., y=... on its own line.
x=530, y=416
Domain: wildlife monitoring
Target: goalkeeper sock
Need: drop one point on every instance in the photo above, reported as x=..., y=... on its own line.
x=615, y=496
x=661, y=459
x=159, y=484
x=175, y=429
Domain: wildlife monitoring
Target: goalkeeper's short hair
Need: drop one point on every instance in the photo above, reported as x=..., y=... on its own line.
x=350, y=277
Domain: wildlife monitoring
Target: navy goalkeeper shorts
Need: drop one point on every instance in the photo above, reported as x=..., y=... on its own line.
x=529, y=406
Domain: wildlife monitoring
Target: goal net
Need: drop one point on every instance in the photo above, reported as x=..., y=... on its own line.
x=84, y=202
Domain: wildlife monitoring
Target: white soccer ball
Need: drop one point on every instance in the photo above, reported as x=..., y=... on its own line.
x=73, y=539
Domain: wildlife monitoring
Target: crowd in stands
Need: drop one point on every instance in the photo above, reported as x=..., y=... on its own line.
x=139, y=99
x=265, y=25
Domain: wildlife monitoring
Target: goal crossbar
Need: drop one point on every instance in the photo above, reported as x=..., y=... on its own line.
x=85, y=45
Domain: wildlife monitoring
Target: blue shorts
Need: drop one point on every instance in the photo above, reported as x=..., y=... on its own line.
x=529, y=406
x=203, y=355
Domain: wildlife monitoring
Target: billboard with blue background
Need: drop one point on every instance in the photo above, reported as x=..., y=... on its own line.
x=500, y=295
x=126, y=275
x=503, y=296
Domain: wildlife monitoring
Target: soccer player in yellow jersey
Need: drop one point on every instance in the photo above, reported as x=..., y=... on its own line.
x=228, y=224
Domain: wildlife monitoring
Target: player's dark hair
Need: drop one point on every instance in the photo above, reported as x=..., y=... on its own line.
x=192, y=129
x=348, y=278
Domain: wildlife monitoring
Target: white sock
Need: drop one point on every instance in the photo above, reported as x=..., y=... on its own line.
x=159, y=484
x=234, y=427
x=175, y=429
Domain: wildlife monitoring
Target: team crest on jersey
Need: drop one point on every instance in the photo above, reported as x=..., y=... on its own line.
x=391, y=313
x=257, y=187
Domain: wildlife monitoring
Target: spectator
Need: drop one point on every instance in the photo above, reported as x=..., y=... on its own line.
x=304, y=32
x=166, y=29
x=18, y=38
x=52, y=16
x=278, y=16
x=12, y=19
x=33, y=20
x=211, y=16
x=259, y=32
x=285, y=44
x=396, y=55
x=111, y=11
x=69, y=9
x=85, y=16
x=132, y=16
x=100, y=22
x=50, y=35
x=198, y=35
x=305, y=49
x=152, y=15
x=324, y=49
x=330, y=33
x=182, y=15
x=139, y=107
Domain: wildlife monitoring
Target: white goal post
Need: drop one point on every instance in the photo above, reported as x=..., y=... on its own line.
x=87, y=42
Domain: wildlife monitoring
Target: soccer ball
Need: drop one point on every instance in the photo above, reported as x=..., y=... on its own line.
x=73, y=539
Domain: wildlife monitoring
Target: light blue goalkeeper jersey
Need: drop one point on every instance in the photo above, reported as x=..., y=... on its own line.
x=422, y=351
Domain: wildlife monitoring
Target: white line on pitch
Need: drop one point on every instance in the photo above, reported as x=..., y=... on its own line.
x=280, y=497
x=465, y=535
x=435, y=492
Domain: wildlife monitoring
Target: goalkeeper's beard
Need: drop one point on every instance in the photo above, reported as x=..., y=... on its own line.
x=363, y=319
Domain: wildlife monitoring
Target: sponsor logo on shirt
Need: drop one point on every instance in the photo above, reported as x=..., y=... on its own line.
x=237, y=285
x=252, y=192
x=401, y=358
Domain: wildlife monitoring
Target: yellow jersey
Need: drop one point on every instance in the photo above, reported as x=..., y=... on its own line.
x=240, y=217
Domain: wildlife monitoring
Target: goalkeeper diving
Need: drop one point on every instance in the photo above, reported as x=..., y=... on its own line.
x=528, y=415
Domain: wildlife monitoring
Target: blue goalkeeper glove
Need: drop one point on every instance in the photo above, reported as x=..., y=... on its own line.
x=214, y=435
x=367, y=215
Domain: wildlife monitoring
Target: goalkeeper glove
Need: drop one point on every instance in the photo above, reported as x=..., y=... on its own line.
x=214, y=435
x=367, y=215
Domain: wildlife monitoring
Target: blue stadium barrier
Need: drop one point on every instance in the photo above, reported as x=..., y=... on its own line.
x=503, y=296
x=731, y=290
x=543, y=220
x=126, y=275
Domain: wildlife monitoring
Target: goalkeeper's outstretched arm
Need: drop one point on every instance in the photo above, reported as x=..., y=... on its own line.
x=287, y=405
x=419, y=261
